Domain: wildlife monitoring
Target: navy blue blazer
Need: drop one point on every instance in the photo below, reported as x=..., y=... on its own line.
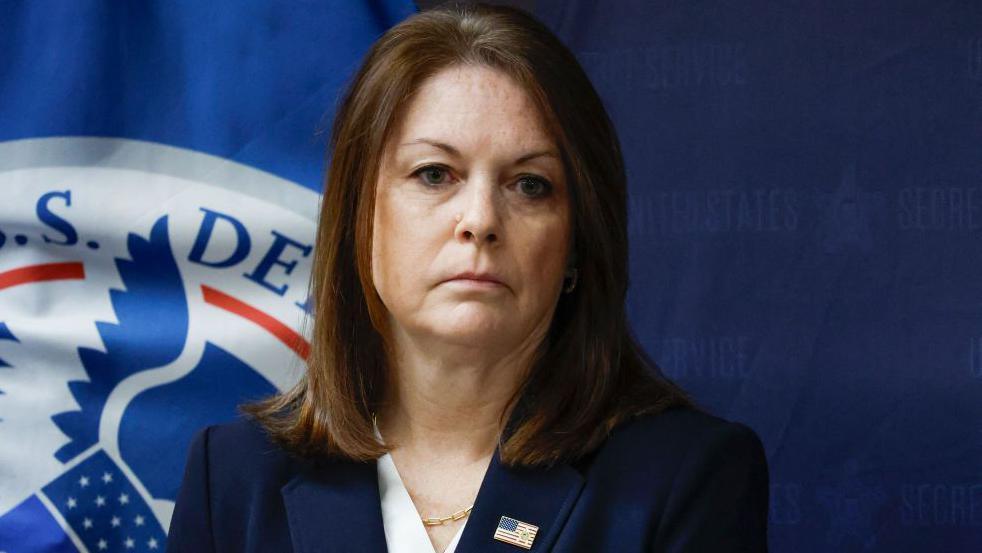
x=679, y=481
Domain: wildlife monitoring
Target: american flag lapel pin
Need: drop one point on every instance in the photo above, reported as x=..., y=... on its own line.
x=515, y=532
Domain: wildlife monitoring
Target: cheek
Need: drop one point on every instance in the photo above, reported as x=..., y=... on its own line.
x=397, y=256
x=546, y=255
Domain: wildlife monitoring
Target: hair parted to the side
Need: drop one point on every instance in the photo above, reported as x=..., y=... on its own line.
x=590, y=373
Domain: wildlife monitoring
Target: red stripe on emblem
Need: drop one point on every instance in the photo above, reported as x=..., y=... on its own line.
x=283, y=333
x=72, y=270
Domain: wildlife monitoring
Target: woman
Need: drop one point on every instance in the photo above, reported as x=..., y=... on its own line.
x=473, y=384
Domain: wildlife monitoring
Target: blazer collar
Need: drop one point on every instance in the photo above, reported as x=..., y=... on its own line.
x=336, y=507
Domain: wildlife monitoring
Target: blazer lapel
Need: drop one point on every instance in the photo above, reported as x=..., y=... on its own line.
x=335, y=507
x=540, y=497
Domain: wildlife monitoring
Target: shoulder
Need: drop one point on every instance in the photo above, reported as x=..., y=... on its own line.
x=240, y=433
x=667, y=449
x=679, y=433
x=233, y=476
x=703, y=479
x=692, y=432
x=240, y=453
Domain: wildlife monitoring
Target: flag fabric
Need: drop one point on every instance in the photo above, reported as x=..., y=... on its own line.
x=160, y=174
x=103, y=508
x=515, y=532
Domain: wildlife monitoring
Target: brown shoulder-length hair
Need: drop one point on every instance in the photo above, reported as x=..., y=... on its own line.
x=589, y=373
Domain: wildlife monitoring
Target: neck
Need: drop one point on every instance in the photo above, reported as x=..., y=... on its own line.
x=450, y=404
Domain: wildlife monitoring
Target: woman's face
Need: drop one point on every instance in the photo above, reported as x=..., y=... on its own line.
x=471, y=181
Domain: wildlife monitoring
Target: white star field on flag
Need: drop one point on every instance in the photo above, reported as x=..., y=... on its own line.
x=104, y=509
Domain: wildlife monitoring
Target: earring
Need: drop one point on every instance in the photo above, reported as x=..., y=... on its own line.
x=572, y=275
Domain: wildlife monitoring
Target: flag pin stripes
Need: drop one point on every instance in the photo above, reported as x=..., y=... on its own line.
x=515, y=532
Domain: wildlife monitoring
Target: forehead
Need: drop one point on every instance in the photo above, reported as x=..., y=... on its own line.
x=473, y=106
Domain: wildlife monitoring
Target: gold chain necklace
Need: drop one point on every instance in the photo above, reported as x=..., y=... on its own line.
x=443, y=520
x=439, y=520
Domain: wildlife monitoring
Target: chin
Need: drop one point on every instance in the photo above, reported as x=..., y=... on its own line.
x=469, y=329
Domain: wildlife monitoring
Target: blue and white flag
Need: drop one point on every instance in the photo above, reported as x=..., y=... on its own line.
x=160, y=175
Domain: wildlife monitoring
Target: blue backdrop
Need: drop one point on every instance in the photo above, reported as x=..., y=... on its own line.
x=806, y=232
x=806, y=214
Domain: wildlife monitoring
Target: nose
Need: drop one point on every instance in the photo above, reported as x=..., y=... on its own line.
x=479, y=217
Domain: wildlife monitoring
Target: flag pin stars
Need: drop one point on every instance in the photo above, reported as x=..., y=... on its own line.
x=515, y=532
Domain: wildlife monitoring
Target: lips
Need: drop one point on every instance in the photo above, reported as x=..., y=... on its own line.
x=481, y=277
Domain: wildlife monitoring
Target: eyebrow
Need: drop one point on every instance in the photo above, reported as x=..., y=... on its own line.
x=455, y=152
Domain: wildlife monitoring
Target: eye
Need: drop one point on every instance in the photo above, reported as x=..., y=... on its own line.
x=534, y=187
x=431, y=175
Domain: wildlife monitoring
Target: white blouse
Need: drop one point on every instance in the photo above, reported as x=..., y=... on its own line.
x=404, y=530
